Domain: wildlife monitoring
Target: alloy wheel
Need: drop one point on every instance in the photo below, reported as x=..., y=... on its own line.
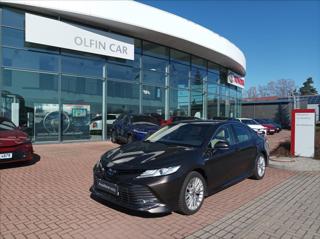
x=194, y=193
x=261, y=166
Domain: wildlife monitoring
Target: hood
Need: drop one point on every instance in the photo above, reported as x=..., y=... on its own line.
x=11, y=138
x=145, y=155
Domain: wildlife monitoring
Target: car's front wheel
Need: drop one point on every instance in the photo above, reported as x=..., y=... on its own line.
x=260, y=167
x=192, y=194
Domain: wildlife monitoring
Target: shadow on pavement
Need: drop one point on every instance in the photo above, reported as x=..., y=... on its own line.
x=128, y=211
x=36, y=158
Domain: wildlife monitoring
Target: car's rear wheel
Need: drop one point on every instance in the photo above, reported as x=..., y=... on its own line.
x=260, y=167
x=191, y=194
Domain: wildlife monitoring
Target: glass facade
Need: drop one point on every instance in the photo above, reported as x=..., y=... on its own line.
x=56, y=94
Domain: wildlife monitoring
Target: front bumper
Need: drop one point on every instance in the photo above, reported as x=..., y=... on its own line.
x=152, y=195
x=20, y=153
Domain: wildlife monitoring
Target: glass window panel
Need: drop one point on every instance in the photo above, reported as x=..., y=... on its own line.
x=179, y=102
x=154, y=64
x=137, y=46
x=119, y=61
x=214, y=68
x=196, y=104
x=82, y=66
x=12, y=18
x=199, y=62
x=222, y=90
x=155, y=78
x=153, y=100
x=122, y=97
x=81, y=100
x=29, y=60
x=179, y=75
x=197, y=78
x=212, y=88
x=222, y=107
x=29, y=100
x=121, y=72
x=179, y=56
x=213, y=77
x=153, y=49
x=12, y=37
x=212, y=106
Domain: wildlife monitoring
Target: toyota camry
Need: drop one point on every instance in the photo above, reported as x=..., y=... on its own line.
x=175, y=168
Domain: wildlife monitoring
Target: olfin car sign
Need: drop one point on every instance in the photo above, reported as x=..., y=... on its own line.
x=236, y=80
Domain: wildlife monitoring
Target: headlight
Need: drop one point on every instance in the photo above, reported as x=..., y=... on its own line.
x=159, y=172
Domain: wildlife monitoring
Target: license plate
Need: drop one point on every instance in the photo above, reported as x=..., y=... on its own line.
x=6, y=156
x=108, y=187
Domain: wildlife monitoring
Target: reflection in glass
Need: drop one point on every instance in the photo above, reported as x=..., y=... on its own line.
x=179, y=102
x=81, y=102
x=179, y=75
x=21, y=93
x=196, y=104
x=122, y=97
x=29, y=60
x=212, y=106
x=153, y=100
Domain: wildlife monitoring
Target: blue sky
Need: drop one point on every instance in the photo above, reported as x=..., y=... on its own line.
x=280, y=39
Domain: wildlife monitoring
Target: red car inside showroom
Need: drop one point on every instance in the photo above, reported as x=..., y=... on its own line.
x=15, y=144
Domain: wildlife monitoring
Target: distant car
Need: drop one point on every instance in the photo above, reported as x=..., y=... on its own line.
x=174, y=119
x=178, y=166
x=129, y=127
x=275, y=124
x=253, y=125
x=271, y=129
x=15, y=144
x=96, y=123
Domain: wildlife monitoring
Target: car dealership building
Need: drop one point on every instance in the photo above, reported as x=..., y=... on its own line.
x=64, y=63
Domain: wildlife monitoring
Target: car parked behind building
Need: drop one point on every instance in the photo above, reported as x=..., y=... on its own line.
x=271, y=129
x=96, y=123
x=253, y=125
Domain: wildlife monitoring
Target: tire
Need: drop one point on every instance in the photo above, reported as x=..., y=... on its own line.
x=260, y=167
x=114, y=137
x=192, y=179
x=129, y=139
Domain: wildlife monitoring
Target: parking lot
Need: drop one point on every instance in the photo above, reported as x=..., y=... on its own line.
x=51, y=199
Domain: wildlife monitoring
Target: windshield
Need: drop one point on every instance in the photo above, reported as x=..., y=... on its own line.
x=143, y=118
x=6, y=125
x=181, y=134
x=249, y=122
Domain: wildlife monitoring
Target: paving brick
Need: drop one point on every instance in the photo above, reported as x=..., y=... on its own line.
x=51, y=199
x=287, y=214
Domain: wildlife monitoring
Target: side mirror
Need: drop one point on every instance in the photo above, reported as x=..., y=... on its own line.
x=221, y=145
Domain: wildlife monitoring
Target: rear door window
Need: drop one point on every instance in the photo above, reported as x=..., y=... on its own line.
x=242, y=134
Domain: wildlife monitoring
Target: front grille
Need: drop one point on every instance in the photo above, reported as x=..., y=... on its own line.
x=135, y=195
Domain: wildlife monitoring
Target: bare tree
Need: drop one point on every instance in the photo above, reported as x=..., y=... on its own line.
x=284, y=87
x=252, y=92
x=271, y=87
x=263, y=91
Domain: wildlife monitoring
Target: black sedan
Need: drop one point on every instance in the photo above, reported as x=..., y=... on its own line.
x=179, y=165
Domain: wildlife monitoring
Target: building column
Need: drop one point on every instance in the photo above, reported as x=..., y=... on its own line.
x=167, y=93
x=104, y=102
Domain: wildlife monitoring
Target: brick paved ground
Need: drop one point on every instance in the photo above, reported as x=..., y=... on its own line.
x=291, y=210
x=51, y=199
